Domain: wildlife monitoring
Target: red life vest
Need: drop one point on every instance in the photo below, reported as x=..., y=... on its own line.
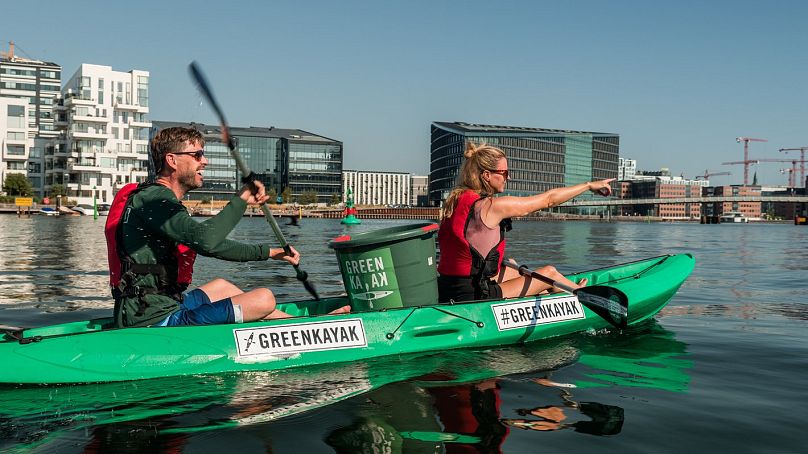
x=457, y=256
x=120, y=262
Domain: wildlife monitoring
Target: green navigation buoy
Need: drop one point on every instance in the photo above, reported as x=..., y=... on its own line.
x=350, y=212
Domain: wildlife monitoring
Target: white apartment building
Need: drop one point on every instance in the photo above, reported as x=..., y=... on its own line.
x=626, y=169
x=28, y=94
x=13, y=137
x=419, y=186
x=377, y=188
x=103, y=114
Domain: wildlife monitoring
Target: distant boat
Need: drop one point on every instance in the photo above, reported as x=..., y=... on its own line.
x=87, y=209
x=206, y=212
x=733, y=217
x=48, y=211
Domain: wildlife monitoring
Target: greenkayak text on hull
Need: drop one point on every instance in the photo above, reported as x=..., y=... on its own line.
x=93, y=351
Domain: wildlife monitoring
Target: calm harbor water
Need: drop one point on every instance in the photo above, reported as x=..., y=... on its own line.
x=721, y=369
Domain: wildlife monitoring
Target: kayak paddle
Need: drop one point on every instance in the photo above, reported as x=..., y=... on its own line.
x=609, y=303
x=248, y=175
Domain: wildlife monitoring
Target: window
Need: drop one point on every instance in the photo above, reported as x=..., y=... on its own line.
x=143, y=91
x=15, y=150
x=45, y=74
x=15, y=135
x=17, y=71
x=18, y=86
x=16, y=116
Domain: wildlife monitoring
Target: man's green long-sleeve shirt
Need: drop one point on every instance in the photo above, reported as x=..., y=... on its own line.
x=153, y=224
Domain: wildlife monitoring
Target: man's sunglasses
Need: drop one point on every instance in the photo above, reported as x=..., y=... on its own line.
x=504, y=173
x=198, y=154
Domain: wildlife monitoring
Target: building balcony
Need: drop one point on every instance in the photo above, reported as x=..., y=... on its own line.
x=76, y=100
x=140, y=124
x=83, y=166
x=14, y=157
x=91, y=118
x=129, y=107
x=88, y=135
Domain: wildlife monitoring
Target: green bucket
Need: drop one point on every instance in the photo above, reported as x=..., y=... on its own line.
x=388, y=268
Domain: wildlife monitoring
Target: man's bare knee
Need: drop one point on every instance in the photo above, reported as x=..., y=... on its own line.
x=264, y=297
x=548, y=270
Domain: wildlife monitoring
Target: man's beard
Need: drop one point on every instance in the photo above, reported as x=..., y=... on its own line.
x=188, y=180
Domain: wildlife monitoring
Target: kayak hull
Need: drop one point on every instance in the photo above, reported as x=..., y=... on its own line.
x=92, y=351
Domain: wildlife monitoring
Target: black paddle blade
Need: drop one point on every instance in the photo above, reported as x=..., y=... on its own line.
x=608, y=302
x=204, y=88
x=303, y=277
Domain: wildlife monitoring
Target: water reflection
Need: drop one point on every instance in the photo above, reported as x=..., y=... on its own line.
x=447, y=413
x=596, y=418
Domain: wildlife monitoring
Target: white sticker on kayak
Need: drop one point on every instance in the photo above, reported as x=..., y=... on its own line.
x=537, y=312
x=300, y=337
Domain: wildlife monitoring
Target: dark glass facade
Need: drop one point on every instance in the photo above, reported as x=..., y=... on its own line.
x=279, y=158
x=264, y=154
x=316, y=166
x=538, y=159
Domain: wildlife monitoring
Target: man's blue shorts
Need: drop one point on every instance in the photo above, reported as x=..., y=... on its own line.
x=196, y=309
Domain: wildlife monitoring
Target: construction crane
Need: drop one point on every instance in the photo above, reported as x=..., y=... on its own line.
x=708, y=174
x=791, y=173
x=10, y=54
x=802, y=159
x=792, y=170
x=746, y=161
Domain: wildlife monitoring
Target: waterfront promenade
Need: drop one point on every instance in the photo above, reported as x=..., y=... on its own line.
x=197, y=208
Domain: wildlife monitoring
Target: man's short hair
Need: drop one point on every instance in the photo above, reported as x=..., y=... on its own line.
x=172, y=140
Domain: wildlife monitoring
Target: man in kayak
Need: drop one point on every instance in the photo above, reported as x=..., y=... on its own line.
x=156, y=242
x=473, y=226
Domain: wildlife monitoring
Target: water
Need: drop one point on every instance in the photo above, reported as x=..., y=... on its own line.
x=721, y=369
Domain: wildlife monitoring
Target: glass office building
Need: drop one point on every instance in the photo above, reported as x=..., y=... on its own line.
x=314, y=164
x=280, y=158
x=538, y=159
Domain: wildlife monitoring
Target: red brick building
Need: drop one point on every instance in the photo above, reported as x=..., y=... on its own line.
x=749, y=209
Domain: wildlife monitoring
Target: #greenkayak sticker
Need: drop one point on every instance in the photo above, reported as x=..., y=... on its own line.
x=370, y=278
x=537, y=312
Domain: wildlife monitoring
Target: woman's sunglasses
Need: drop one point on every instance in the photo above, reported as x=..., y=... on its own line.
x=198, y=154
x=504, y=173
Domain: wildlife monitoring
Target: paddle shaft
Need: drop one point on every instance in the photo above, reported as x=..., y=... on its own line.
x=525, y=271
x=245, y=170
x=204, y=87
x=607, y=302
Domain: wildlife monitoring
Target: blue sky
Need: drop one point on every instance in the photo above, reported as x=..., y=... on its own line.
x=679, y=81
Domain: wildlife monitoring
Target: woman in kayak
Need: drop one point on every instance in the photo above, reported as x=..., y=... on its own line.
x=473, y=226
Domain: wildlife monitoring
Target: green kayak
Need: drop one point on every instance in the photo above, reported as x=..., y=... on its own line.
x=94, y=351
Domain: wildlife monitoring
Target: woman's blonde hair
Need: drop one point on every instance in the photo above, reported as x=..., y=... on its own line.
x=479, y=157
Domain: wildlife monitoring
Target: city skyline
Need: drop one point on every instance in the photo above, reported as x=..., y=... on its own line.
x=678, y=82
